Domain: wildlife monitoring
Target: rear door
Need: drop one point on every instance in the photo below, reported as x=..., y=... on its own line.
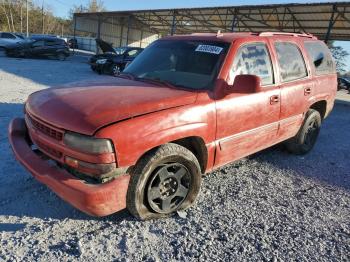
x=248, y=122
x=50, y=47
x=296, y=86
x=38, y=48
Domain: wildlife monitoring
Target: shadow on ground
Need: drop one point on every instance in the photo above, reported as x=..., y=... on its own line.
x=329, y=161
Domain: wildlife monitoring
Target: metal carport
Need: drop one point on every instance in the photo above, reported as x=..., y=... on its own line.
x=327, y=21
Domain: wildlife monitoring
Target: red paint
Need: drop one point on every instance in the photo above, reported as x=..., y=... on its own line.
x=139, y=116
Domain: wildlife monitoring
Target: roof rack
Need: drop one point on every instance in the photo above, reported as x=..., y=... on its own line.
x=288, y=34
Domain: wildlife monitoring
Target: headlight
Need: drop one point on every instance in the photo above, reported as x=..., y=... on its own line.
x=88, y=144
x=101, y=61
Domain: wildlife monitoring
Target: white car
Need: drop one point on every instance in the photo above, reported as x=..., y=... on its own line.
x=9, y=38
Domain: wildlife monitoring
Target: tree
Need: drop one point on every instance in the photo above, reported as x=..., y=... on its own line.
x=95, y=6
x=340, y=56
x=12, y=15
x=92, y=7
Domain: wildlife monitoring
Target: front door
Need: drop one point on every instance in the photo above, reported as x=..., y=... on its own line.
x=248, y=122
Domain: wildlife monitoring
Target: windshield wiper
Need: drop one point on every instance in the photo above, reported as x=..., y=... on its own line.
x=151, y=80
x=156, y=81
x=127, y=75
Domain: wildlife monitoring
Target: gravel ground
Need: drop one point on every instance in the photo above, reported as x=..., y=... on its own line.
x=272, y=206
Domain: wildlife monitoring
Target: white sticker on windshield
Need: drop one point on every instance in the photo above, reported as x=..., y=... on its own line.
x=209, y=49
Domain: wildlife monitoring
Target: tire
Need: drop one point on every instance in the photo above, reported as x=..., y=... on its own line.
x=165, y=180
x=115, y=69
x=306, y=138
x=61, y=56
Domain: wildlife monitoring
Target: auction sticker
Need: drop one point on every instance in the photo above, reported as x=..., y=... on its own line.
x=209, y=49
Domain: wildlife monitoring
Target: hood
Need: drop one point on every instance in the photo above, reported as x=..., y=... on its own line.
x=85, y=107
x=105, y=47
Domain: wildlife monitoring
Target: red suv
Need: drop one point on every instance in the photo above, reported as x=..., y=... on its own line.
x=186, y=105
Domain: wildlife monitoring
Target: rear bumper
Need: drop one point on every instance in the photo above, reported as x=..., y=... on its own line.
x=93, y=199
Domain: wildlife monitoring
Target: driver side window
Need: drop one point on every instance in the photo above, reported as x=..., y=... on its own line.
x=253, y=59
x=38, y=44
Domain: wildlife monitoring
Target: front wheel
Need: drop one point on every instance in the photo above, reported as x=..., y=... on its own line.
x=306, y=138
x=165, y=180
x=116, y=69
x=61, y=56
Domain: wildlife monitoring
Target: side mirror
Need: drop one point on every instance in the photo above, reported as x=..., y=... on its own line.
x=245, y=84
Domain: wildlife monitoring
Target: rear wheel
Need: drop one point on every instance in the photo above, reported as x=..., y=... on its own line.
x=306, y=138
x=165, y=180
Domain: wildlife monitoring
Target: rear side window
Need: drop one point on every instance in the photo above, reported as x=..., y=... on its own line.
x=253, y=59
x=39, y=43
x=8, y=36
x=320, y=57
x=291, y=62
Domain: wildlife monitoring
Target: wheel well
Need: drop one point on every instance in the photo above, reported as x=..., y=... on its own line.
x=321, y=107
x=197, y=146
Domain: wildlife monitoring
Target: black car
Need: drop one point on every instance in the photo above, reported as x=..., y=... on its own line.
x=343, y=83
x=39, y=47
x=73, y=43
x=113, y=60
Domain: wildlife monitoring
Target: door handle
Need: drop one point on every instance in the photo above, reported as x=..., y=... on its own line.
x=307, y=91
x=274, y=99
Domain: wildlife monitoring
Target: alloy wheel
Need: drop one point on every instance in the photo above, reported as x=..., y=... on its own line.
x=168, y=187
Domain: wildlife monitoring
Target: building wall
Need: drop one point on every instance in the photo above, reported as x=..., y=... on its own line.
x=115, y=30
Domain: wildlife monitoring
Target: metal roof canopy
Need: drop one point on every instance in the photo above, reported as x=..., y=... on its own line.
x=327, y=21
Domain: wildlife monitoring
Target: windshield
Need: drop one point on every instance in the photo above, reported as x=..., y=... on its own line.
x=189, y=64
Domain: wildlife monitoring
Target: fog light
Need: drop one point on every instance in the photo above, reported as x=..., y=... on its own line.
x=72, y=162
x=90, y=168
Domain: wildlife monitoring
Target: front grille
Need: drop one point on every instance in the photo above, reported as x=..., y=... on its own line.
x=45, y=129
x=49, y=150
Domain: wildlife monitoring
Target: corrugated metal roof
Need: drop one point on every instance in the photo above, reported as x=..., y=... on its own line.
x=315, y=18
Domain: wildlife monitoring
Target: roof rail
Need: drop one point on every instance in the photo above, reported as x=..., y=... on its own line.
x=288, y=34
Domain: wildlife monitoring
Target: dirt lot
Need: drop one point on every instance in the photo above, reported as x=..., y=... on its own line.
x=272, y=206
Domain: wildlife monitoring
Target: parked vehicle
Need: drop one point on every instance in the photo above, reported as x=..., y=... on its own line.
x=10, y=38
x=39, y=47
x=113, y=60
x=73, y=43
x=185, y=106
x=343, y=83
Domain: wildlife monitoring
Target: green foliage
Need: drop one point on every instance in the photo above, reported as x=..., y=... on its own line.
x=13, y=18
x=91, y=7
x=340, y=56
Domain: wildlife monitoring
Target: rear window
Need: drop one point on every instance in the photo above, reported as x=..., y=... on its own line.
x=291, y=61
x=7, y=35
x=320, y=57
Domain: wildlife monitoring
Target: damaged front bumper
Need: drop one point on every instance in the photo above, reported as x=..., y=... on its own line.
x=93, y=199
